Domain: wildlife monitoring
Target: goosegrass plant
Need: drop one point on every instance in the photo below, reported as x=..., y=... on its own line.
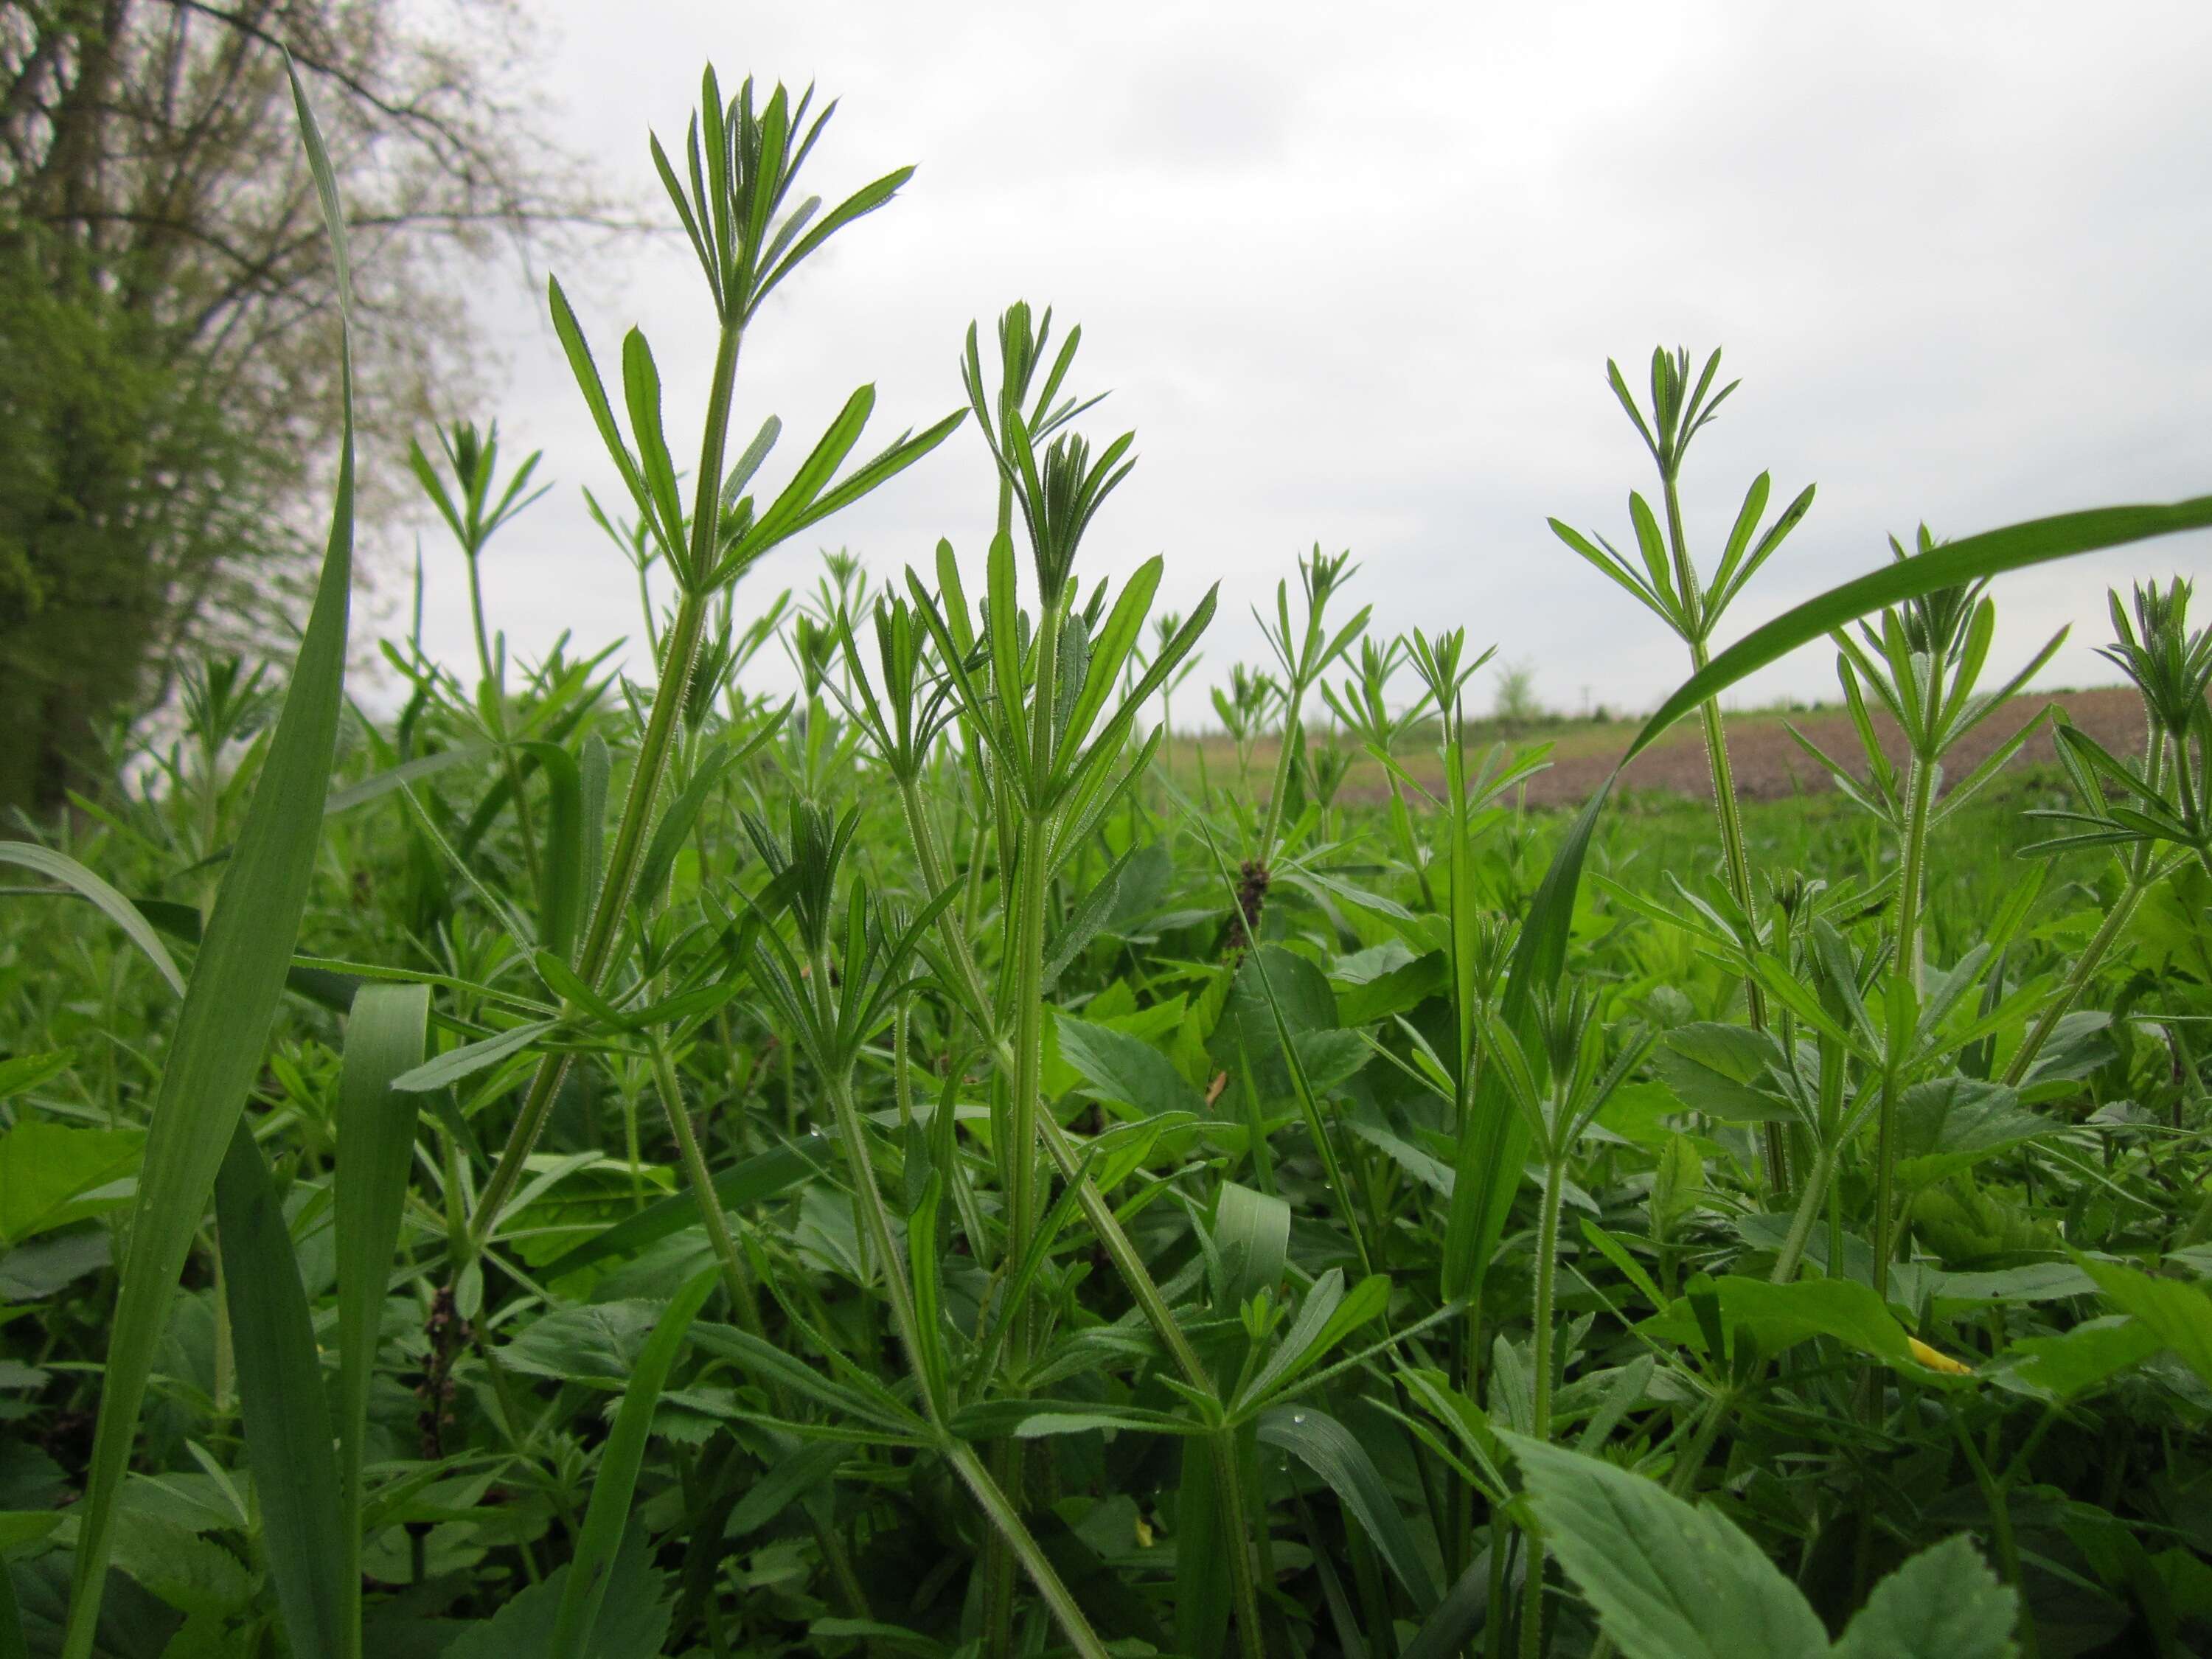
x=1362, y=706
x=1304, y=655
x=1556, y=1086
x=1923, y=664
x=1671, y=587
x=1244, y=708
x=1029, y=1253
x=742, y=164
x=2151, y=813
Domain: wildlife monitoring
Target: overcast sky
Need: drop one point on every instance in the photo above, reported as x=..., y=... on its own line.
x=1352, y=274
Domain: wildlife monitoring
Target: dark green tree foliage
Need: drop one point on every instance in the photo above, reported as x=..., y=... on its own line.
x=166, y=361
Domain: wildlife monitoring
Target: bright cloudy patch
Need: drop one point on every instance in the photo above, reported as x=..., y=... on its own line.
x=1353, y=276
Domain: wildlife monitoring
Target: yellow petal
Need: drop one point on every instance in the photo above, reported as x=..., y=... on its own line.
x=1934, y=1361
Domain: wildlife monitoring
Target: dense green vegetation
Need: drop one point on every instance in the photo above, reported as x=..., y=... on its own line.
x=588, y=1168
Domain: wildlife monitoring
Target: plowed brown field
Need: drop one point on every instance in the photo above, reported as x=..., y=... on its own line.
x=1768, y=764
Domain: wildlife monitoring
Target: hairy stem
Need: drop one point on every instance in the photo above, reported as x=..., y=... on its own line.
x=1809, y=1200
x=1547, y=1250
x=1735, y=857
x=627, y=851
x=1006, y=1522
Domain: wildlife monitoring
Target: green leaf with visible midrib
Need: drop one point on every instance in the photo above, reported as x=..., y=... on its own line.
x=287, y=1415
x=1327, y=1448
x=231, y=996
x=385, y=1037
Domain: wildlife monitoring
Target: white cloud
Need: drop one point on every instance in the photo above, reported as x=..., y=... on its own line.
x=1353, y=273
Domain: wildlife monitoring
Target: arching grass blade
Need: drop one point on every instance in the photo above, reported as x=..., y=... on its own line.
x=232, y=993
x=287, y=1417
x=376, y=1142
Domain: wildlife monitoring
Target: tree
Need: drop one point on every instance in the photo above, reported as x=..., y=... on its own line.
x=166, y=364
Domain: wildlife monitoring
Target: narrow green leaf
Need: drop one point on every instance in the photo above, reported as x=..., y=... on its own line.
x=224, y=1024
x=752, y=1181
x=287, y=1414
x=385, y=1037
x=59, y=866
x=471, y=1058
x=592, y=1567
x=560, y=896
x=1330, y=1450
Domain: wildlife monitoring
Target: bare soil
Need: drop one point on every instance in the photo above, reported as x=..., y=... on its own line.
x=1767, y=763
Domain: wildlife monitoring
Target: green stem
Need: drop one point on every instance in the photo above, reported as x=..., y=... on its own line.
x=1547, y=1250
x=498, y=684
x=1402, y=821
x=1726, y=810
x=1921, y=794
x=906, y=1319
x=1280, y=787
x=1687, y=1467
x=2001, y=1535
x=1229, y=1490
x=1104, y=1225
x=1008, y=1525
x=1885, y=1190
x=701, y=1180
x=1135, y=1276
x=1027, y=967
x=1023, y=991
x=631, y=832
x=1808, y=1211
x=2084, y=969
x=1912, y=871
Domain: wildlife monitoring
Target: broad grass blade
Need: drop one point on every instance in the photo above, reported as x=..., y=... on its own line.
x=1328, y=1449
x=1202, y=1589
x=376, y=1143
x=287, y=1414
x=232, y=993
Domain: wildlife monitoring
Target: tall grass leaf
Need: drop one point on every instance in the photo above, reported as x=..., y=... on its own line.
x=326, y=985
x=376, y=1143
x=560, y=902
x=609, y=1510
x=59, y=866
x=1327, y=1448
x=12, y=1646
x=1202, y=1591
x=1495, y=1160
x=1457, y=1617
x=216, y=1049
x=286, y=1414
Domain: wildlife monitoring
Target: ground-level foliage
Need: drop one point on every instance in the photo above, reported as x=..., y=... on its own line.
x=587, y=1167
